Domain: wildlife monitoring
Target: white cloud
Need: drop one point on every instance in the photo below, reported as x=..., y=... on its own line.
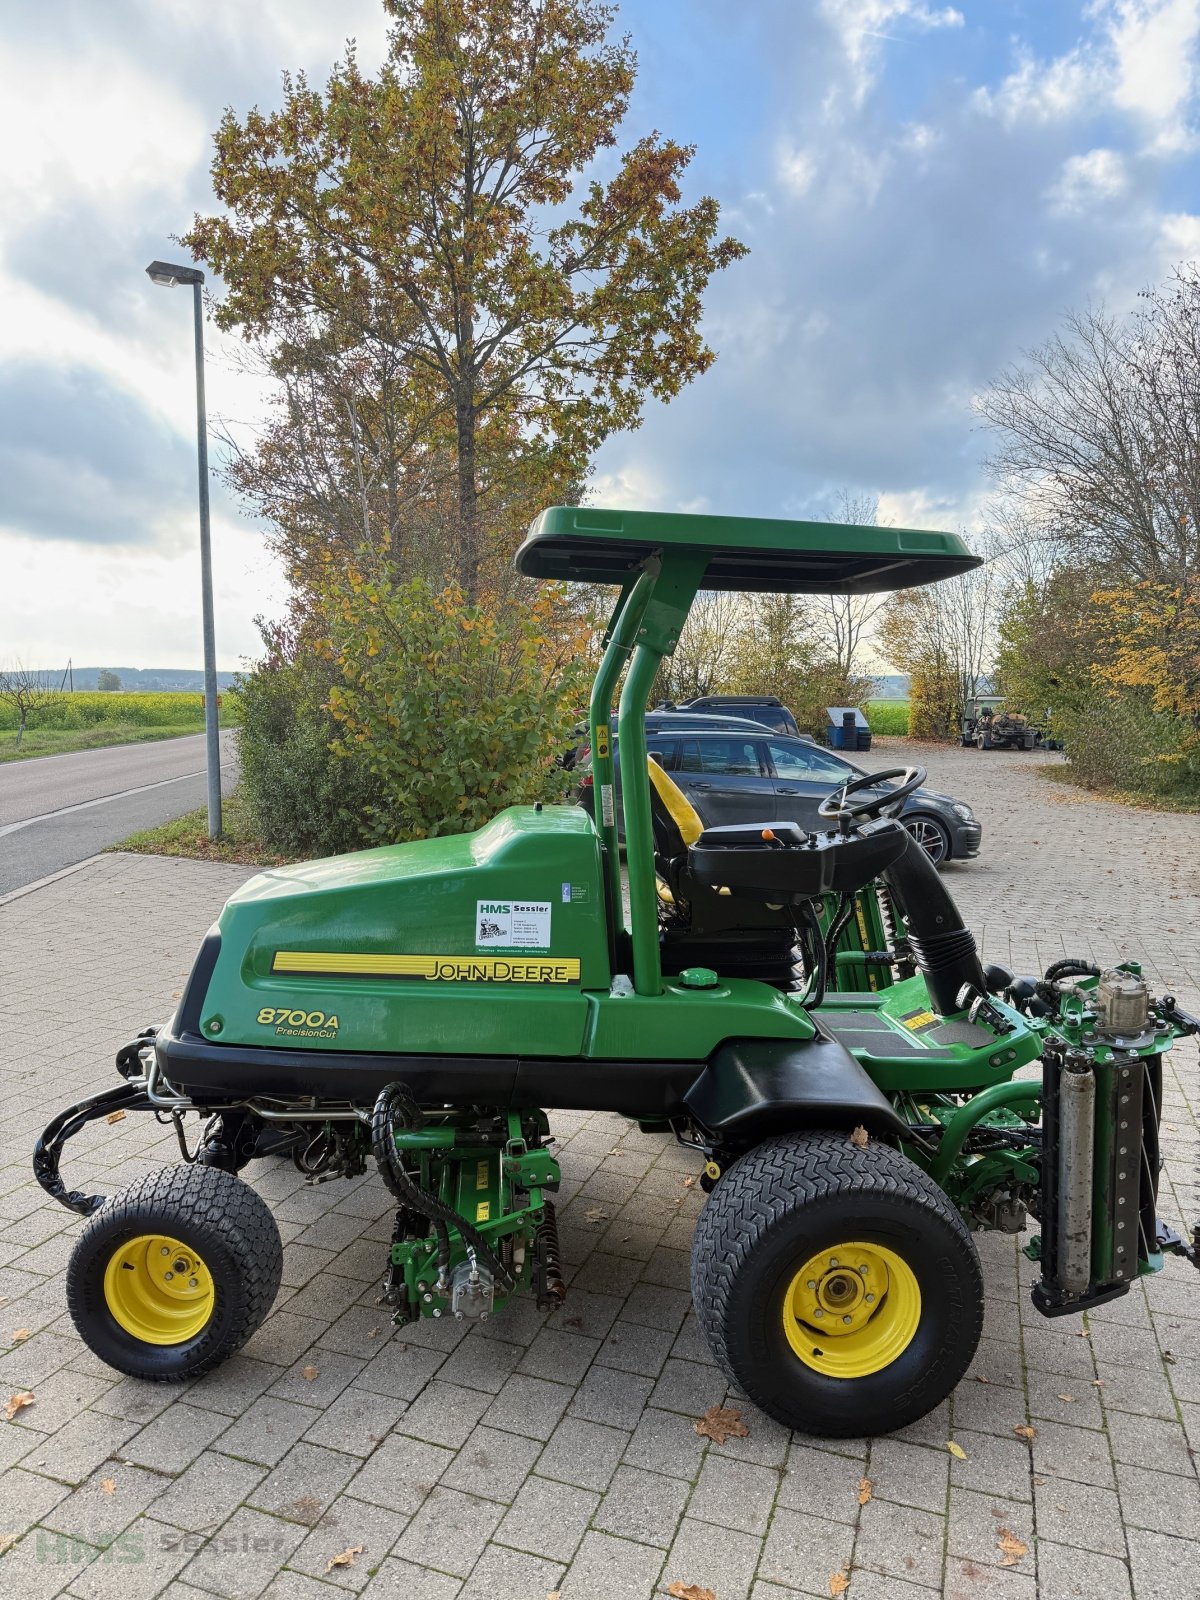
x=1087, y=180
x=1140, y=61
x=862, y=28
x=1154, y=50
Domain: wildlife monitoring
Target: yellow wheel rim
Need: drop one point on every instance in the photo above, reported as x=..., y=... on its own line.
x=158, y=1289
x=851, y=1310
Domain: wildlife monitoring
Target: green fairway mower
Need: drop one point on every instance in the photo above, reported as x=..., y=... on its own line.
x=804, y=1010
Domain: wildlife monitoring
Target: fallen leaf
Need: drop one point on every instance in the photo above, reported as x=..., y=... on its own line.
x=720, y=1423
x=979, y=1378
x=595, y=1214
x=864, y=1491
x=616, y=1152
x=372, y=1333
x=1083, y=1333
x=1012, y=1547
x=108, y=1485
x=1024, y=1431
x=7, y=1540
x=1098, y=1383
x=838, y=1583
x=20, y=1335
x=1169, y=1357
x=689, y=1591
x=572, y=1322
x=555, y=1594
x=345, y=1559
x=18, y=1402
x=309, y=1373
x=956, y=1450
x=115, y=1116
x=860, y=1137
x=1069, y=1398
x=1040, y=1481
x=688, y=1182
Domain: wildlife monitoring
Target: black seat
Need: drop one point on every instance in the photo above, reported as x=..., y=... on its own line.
x=704, y=925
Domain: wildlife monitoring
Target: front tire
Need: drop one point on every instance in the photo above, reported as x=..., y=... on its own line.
x=838, y=1287
x=174, y=1274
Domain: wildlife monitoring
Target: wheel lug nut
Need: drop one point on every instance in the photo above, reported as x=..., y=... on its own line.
x=164, y=1251
x=847, y=1319
x=870, y=1299
x=169, y=1276
x=812, y=1283
x=193, y=1283
x=818, y=1312
x=833, y=1261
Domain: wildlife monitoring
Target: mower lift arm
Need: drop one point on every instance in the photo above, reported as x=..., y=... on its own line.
x=48, y=1151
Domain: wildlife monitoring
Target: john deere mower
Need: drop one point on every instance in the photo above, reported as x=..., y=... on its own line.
x=804, y=1010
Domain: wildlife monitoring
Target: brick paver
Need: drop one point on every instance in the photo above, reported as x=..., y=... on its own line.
x=538, y=1454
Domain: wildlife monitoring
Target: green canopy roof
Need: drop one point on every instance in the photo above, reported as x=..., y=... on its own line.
x=588, y=544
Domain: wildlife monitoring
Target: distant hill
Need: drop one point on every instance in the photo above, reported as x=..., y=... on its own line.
x=145, y=679
x=892, y=686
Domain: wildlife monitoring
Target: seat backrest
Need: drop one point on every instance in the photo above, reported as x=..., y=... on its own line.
x=677, y=823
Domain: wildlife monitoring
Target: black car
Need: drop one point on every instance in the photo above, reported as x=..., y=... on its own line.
x=766, y=709
x=745, y=774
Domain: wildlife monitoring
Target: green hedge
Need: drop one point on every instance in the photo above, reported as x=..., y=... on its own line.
x=92, y=708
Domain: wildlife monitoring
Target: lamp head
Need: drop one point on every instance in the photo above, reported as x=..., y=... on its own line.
x=167, y=275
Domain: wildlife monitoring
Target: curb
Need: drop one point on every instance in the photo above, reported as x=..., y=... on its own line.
x=41, y=883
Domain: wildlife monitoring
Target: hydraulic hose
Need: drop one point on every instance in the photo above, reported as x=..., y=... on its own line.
x=396, y=1104
x=942, y=947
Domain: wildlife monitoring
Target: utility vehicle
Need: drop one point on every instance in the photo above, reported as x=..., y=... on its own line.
x=805, y=1009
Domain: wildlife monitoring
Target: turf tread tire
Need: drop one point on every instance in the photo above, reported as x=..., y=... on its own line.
x=772, y=1184
x=234, y=1232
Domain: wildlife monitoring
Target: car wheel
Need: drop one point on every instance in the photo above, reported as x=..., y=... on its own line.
x=933, y=838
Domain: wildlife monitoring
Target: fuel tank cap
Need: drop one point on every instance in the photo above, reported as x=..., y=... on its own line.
x=698, y=978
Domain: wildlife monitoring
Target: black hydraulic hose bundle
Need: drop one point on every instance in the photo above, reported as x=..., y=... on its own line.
x=942, y=947
x=396, y=1105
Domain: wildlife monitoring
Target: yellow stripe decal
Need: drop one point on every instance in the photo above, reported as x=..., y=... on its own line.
x=434, y=969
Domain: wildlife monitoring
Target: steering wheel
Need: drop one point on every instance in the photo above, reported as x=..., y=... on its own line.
x=840, y=808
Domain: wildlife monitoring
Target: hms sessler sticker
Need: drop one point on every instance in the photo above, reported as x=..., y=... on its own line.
x=512, y=924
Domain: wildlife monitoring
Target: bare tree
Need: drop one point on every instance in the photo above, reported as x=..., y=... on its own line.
x=944, y=637
x=841, y=621
x=1099, y=435
x=707, y=653
x=29, y=693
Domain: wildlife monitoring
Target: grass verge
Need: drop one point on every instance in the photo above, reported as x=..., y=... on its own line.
x=188, y=836
x=65, y=741
x=888, y=716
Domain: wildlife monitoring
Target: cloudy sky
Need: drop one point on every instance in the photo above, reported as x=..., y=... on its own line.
x=924, y=187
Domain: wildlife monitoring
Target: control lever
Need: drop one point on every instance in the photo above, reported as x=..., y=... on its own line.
x=977, y=1005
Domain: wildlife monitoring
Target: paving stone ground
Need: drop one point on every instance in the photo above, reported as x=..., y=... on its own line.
x=540, y=1454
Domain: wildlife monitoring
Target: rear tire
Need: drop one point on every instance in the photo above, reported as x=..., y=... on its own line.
x=817, y=1204
x=173, y=1275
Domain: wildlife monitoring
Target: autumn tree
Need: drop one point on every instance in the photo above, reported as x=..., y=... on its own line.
x=461, y=296
x=943, y=636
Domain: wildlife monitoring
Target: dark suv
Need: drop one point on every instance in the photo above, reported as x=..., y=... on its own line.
x=745, y=774
x=763, y=708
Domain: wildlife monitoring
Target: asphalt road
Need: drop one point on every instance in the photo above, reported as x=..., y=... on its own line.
x=56, y=810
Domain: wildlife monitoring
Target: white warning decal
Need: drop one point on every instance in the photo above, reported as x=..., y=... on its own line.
x=512, y=924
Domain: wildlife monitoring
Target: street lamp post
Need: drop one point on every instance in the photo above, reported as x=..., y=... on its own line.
x=167, y=276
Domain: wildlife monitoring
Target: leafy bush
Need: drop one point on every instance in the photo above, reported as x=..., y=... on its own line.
x=1118, y=741
x=302, y=799
x=90, y=708
x=452, y=709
